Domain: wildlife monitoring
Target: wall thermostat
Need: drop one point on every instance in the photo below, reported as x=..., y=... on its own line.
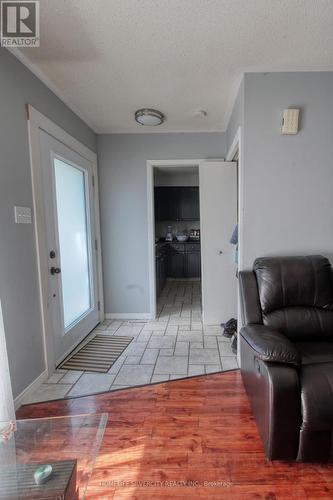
x=290, y=121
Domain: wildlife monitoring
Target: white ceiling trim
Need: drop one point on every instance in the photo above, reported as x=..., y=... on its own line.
x=43, y=78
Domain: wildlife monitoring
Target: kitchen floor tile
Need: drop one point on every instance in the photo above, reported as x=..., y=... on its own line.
x=181, y=349
x=90, y=383
x=159, y=378
x=212, y=368
x=47, y=392
x=165, y=342
x=171, y=365
x=204, y=356
x=196, y=370
x=56, y=377
x=134, y=375
x=149, y=356
x=71, y=377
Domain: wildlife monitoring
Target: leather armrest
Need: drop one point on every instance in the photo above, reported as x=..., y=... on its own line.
x=270, y=345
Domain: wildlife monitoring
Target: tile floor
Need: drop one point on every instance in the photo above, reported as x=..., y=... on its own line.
x=174, y=345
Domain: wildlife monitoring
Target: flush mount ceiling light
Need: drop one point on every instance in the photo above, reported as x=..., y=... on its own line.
x=200, y=113
x=149, y=117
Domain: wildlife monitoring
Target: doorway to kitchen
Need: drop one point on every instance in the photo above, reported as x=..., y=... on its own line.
x=192, y=213
x=177, y=236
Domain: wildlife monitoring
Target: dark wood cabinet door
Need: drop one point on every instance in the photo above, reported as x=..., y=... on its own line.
x=163, y=204
x=177, y=203
x=193, y=265
x=173, y=210
x=176, y=265
x=156, y=204
x=188, y=203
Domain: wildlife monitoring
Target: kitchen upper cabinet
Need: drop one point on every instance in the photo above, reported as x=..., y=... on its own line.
x=188, y=203
x=164, y=204
x=177, y=203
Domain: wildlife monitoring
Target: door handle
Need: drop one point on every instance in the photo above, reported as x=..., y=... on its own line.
x=55, y=270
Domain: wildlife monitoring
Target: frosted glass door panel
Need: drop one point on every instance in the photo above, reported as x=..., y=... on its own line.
x=72, y=212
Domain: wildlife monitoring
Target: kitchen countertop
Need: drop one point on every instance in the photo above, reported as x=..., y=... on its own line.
x=176, y=241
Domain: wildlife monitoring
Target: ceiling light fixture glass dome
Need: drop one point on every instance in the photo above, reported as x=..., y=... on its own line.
x=149, y=117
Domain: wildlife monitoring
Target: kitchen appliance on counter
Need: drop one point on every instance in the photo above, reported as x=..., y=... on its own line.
x=182, y=237
x=169, y=236
x=195, y=234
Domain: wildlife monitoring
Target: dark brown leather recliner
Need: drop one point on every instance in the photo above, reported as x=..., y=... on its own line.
x=287, y=355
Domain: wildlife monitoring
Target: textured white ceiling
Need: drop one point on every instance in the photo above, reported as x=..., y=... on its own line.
x=107, y=58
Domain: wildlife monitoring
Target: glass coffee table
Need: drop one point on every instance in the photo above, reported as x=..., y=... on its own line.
x=69, y=444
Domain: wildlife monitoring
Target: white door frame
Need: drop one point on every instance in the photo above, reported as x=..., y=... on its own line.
x=151, y=218
x=237, y=145
x=37, y=121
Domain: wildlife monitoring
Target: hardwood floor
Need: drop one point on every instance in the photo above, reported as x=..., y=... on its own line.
x=187, y=438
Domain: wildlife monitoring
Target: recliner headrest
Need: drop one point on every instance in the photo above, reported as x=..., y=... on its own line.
x=294, y=281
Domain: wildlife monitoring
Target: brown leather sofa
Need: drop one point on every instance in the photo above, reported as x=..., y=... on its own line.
x=287, y=355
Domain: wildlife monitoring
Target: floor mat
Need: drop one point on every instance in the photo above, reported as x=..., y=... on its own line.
x=98, y=355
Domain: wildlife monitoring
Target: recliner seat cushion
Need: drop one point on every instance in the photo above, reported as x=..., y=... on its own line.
x=317, y=396
x=315, y=352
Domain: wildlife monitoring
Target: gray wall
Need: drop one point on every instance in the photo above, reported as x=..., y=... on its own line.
x=174, y=178
x=18, y=269
x=288, y=180
x=123, y=195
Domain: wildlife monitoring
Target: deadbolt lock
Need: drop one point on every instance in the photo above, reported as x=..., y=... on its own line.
x=55, y=270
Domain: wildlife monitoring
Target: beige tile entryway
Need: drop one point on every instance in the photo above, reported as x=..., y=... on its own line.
x=175, y=345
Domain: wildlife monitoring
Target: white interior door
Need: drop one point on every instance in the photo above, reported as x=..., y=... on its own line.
x=218, y=217
x=70, y=232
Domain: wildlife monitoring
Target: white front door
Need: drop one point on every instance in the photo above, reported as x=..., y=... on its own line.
x=218, y=217
x=67, y=180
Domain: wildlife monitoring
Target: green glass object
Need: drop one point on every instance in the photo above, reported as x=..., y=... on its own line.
x=42, y=474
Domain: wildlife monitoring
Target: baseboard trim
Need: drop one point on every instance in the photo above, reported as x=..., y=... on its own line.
x=30, y=389
x=128, y=316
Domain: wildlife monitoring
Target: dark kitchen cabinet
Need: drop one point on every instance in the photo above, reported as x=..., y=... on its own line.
x=184, y=260
x=188, y=203
x=162, y=204
x=177, y=203
x=193, y=265
x=161, y=268
x=176, y=264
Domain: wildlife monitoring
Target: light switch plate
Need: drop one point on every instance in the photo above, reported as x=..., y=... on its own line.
x=290, y=121
x=22, y=215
